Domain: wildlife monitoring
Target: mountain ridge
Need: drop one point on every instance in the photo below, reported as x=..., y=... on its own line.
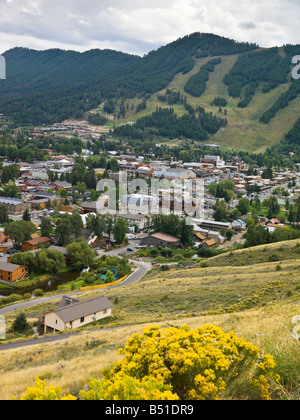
x=194, y=35
x=44, y=87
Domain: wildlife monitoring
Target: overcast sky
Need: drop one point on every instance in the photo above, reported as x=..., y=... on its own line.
x=139, y=26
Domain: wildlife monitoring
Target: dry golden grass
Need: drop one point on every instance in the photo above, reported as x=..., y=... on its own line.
x=71, y=364
x=257, y=301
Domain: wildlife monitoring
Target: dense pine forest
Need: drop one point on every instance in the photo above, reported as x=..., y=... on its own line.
x=44, y=87
x=196, y=85
x=165, y=123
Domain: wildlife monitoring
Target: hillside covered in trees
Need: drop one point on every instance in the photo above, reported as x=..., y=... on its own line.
x=43, y=87
x=266, y=68
x=165, y=123
x=234, y=94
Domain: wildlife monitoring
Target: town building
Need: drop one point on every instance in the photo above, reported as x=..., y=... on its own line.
x=89, y=206
x=73, y=314
x=12, y=272
x=209, y=243
x=61, y=185
x=211, y=224
x=35, y=243
x=71, y=208
x=141, y=221
x=14, y=206
x=161, y=240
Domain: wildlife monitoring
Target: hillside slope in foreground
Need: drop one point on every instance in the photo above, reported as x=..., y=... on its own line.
x=253, y=292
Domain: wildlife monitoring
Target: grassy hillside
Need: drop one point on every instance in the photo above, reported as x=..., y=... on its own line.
x=244, y=130
x=73, y=363
x=253, y=292
x=219, y=285
x=55, y=85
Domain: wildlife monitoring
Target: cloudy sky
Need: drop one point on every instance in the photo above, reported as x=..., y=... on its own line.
x=139, y=26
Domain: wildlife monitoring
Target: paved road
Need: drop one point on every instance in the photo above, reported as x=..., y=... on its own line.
x=36, y=341
x=136, y=276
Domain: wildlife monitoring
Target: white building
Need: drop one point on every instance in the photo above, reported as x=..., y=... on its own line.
x=73, y=314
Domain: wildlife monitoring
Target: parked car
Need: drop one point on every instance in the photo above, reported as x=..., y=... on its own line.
x=11, y=251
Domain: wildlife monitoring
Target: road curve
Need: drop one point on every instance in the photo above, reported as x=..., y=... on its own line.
x=135, y=277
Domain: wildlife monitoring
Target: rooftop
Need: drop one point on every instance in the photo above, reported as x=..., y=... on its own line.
x=89, y=205
x=7, y=200
x=35, y=241
x=61, y=249
x=82, y=309
x=9, y=267
x=165, y=237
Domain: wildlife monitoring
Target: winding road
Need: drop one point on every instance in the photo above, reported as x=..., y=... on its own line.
x=142, y=269
x=135, y=277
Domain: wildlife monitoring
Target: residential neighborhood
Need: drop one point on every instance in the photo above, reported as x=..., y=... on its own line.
x=149, y=204
x=97, y=219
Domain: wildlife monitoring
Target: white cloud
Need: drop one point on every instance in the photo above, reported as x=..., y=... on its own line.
x=138, y=26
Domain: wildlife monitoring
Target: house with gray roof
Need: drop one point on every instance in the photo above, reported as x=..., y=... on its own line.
x=14, y=206
x=73, y=314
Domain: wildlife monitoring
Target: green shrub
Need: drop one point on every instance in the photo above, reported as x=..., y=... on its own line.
x=154, y=252
x=20, y=324
x=38, y=292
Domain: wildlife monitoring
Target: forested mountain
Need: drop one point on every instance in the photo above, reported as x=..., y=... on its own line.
x=235, y=94
x=267, y=68
x=44, y=87
x=165, y=123
x=49, y=86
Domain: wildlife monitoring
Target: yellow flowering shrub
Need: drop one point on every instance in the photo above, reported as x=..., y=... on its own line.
x=179, y=363
x=260, y=382
x=124, y=387
x=199, y=364
x=42, y=393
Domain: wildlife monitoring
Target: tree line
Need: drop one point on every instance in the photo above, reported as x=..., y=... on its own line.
x=165, y=123
x=196, y=84
x=266, y=68
x=175, y=226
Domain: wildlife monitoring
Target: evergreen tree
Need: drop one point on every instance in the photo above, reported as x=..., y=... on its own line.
x=20, y=324
x=46, y=226
x=3, y=215
x=26, y=216
x=120, y=230
x=63, y=231
x=186, y=234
